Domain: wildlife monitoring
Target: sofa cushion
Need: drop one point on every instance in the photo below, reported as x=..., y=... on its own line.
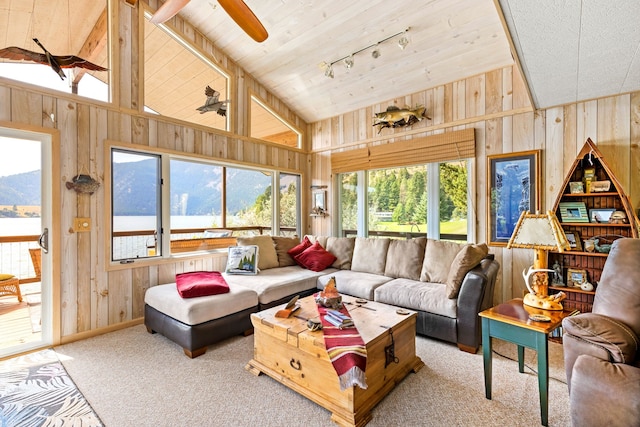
x=267, y=256
x=438, y=258
x=354, y=283
x=278, y=283
x=342, y=248
x=468, y=257
x=370, y=255
x=298, y=249
x=315, y=258
x=200, y=283
x=320, y=239
x=193, y=311
x=416, y=295
x=283, y=246
x=405, y=257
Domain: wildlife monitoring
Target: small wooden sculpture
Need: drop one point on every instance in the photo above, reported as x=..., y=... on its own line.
x=329, y=297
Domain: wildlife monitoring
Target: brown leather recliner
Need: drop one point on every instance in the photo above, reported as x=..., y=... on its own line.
x=602, y=348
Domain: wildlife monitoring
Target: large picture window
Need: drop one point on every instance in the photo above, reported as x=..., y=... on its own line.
x=407, y=202
x=205, y=204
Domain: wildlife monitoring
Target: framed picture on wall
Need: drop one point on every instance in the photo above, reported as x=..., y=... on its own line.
x=513, y=186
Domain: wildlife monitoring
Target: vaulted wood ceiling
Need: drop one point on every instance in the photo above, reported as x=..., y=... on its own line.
x=449, y=40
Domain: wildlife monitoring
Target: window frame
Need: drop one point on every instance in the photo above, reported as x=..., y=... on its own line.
x=194, y=50
x=164, y=237
x=433, y=202
x=262, y=103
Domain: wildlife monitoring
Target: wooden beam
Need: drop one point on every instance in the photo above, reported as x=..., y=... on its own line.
x=95, y=43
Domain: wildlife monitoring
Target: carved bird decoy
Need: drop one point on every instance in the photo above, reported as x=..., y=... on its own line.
x=57, y=63
x=212, y=103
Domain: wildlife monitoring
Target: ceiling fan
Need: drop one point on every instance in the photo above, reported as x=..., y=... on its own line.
x=236, y=9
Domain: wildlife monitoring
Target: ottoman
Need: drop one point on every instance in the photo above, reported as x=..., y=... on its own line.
x=195, y=323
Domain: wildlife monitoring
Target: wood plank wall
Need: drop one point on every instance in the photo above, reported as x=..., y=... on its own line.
x=496, y=105
x=94, y=296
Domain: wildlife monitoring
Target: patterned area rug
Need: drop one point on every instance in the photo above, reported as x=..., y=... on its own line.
x=35, y=390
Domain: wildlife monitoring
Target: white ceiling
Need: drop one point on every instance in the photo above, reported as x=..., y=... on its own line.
x=577, y=49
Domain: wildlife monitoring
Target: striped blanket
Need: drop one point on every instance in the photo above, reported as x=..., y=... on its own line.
x=347, y=352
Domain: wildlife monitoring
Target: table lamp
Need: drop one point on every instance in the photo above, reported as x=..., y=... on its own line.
x=540, y=232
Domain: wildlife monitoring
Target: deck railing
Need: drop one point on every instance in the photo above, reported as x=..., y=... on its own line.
x=15, y=258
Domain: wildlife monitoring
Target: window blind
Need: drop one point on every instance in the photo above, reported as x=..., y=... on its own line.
x=442, y=147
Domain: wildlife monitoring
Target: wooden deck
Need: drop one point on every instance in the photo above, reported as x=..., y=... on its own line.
x=16, y=325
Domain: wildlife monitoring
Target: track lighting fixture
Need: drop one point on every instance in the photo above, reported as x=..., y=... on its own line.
x=348, y=60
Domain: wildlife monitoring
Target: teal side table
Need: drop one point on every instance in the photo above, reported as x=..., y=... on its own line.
x=510, y=322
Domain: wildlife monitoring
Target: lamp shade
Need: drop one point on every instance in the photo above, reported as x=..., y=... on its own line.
x=538, y=231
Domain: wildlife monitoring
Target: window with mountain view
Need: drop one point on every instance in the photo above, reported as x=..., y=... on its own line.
x=136, y=219
x=196, y=194
x=398, y=200
x=249, y=199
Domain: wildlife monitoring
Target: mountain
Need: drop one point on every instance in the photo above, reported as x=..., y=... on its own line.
x=195, y=188
x=22, y=189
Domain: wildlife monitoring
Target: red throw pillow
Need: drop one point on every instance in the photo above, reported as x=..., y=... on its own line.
x=201, y=283
x=315, y=258
x=298, y=249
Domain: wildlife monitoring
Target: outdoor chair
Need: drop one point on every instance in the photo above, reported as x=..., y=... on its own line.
x=10, y=285
x=36, y=259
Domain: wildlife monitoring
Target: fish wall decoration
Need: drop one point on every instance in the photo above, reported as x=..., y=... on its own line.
x=395, y=117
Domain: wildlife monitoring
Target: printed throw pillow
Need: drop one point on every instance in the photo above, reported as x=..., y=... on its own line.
x=315, y=258
x=200, y=284
x=243, y=260
x=465, y=260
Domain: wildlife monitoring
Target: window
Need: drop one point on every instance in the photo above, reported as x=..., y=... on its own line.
x=206, y=205
x=289, y=206
x=348, y=202
x=136, y=218
x=176, y=77
x=398, y=201
x=249, y=198
x=267, y=125
x=74, y=27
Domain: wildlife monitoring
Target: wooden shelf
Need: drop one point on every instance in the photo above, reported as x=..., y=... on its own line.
x=571, y=289
x=594, y=224
x=597, y=254
x=602, y=194
x=591, y=262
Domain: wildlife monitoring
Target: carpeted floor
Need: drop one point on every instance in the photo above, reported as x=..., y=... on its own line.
x=36, y=391
x=133, y=378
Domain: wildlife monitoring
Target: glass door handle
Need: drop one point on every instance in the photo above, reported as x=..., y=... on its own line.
x=43, y=241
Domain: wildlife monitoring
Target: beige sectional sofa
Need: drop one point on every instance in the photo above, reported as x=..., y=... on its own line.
x=447, y=283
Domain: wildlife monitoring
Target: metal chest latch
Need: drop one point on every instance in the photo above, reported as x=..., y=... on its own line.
x=390, y=351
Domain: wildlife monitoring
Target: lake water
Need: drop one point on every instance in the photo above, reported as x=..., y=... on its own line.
x=31, y=226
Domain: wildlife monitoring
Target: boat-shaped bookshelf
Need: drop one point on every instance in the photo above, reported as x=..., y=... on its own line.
x=585, y=211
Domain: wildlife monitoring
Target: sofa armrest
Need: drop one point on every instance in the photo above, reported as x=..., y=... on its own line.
x=476, y=294
x=598, y=386
x=597, y=336
x=616, y=338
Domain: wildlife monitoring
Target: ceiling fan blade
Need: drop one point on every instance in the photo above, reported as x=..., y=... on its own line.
x=168, y=11
x=245, y=18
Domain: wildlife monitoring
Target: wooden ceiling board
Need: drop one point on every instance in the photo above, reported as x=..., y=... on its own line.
x=303, y=34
